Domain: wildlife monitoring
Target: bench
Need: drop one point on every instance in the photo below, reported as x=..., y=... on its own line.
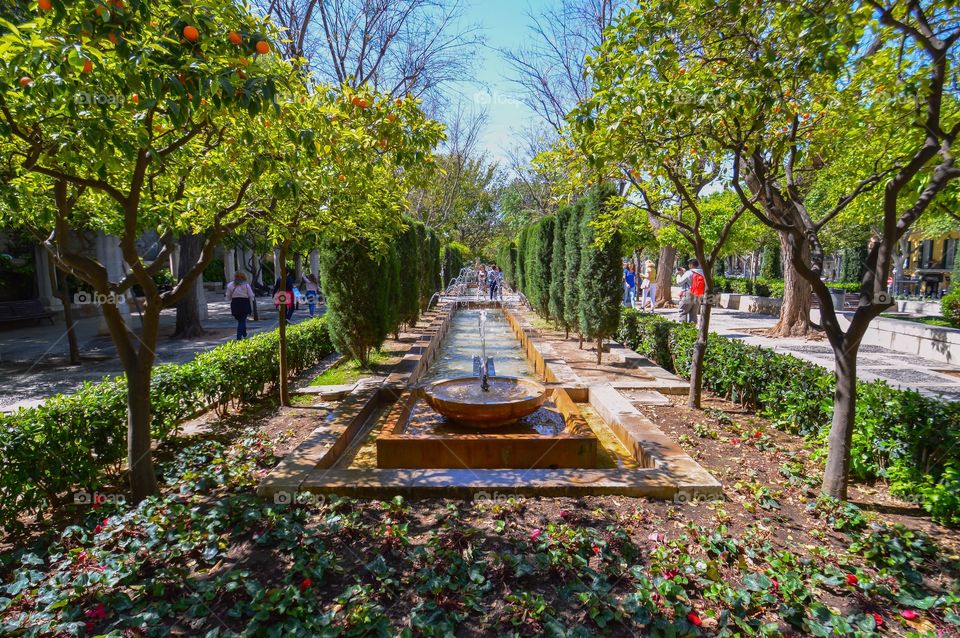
x=27, y=310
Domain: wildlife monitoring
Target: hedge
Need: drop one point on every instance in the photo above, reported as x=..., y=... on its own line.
x=66, y=443
x=762, y=287
x=909, y=440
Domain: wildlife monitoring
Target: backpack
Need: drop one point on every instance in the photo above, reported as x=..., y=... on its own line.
x=697, y=284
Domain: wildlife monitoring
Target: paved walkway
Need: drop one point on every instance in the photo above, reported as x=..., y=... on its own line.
x=898, y=369
x=33, y=360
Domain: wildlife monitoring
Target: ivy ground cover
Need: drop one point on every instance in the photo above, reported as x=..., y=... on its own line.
x=209, y=558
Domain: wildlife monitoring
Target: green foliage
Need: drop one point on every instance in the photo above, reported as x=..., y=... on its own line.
x=358, y=296
x=454, y=258
x=215, y=272
x=601, y=270
x=67, y=443
x=558, y=264
x=770, y=265
x=900, y=436
x=408, y=253
x=390, y=264
x=572, y=255
x=539, y=261
x=762, y=287
x=950, y=304
x=853, y=264
x=521, y=266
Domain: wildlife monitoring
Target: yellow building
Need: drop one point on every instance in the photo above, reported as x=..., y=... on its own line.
x=927, y=264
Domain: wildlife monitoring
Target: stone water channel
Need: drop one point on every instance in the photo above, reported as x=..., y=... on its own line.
x=455, y=359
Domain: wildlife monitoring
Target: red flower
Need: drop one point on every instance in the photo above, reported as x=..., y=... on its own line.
x=694, y=618
x=596, y=549
x=909, y=614
x=97, y=613
x=852, y=580
x=734, y=441
x=670, y=574
x=389, y=530
x=535, y=534
x=877, y=618
x=757, y=434
x=305, y=584
x=564, y=513
x=776, y=585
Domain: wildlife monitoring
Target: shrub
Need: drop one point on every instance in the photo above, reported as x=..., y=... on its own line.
x=572, y=254
x=215, y=272
x=600, y=280
x=558, y=264
x=409, y=255
x=950, y=305
x=909, y=440
x=66, y=443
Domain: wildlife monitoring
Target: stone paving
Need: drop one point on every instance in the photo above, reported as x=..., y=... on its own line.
x=900, y=370
x=33, y=360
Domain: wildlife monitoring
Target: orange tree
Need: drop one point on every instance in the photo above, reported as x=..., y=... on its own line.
x=117, y=106
x=341, y=160
x=786, y=94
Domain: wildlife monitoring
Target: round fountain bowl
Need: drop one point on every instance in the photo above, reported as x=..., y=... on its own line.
x=507, y=400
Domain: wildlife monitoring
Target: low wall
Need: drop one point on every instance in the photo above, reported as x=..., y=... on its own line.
x=751, y=303
x=909, y=337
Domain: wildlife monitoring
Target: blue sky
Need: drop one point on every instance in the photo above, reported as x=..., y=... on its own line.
x=504, y=24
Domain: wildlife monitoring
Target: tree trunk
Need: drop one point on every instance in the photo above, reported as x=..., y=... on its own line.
x=284, y=393
x=665, y=265
x=581, y=341
x=699, y=353
x=188, y=324
x=841, y=431
x=795, y=311
x=68, y=317
x=599, y=349
x=143, y=480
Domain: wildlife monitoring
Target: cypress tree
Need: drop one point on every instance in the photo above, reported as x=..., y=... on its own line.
x=770, y=267
x=522, y=260
x=409, y=259
x=390, y=263
x=571, y=270
x=435, y=263
x=358, y=296
x=600, y=278
x=852, y=263
x=541, y=260
x=558, y=264
x=423, y=253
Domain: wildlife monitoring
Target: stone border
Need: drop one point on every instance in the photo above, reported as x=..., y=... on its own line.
x=674, y=475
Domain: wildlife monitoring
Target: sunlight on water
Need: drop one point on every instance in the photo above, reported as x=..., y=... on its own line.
x=462, y=342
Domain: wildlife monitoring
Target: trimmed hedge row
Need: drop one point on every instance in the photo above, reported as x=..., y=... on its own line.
x=767, y=287
x=66, y=443
x=909, y=440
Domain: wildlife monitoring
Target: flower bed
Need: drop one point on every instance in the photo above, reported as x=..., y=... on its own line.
x=67, y=442
x=911, y=441
x=209, y=558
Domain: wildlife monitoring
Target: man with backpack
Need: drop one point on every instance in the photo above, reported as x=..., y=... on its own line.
x=698, y=284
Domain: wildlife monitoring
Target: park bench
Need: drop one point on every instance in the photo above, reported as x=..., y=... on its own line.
x=27, y=310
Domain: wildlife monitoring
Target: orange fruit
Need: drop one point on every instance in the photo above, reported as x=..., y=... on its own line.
x=398, y=102
x=244, y=61
x=235, y=38
x=100, y=10
x=363, y=104
x=391, y=118
x=45, y=5
x=355, y=101
x=263, y=47
x=342, y=177
x=87, y=66
x=112, y=37
x=383, y=144
x=26, y=80
x=191, y=33
x=135, y=98
x=241, y=74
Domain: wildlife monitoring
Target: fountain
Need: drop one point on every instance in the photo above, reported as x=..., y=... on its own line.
x=494, y=402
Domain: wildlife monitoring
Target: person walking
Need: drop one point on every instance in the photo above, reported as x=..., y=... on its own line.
x=698, y=283
x=312, y=293
x=499, y=283
x=629, y=285
x=241, y=297
x=283, y=295
x=492, y=282
x=648, y=287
